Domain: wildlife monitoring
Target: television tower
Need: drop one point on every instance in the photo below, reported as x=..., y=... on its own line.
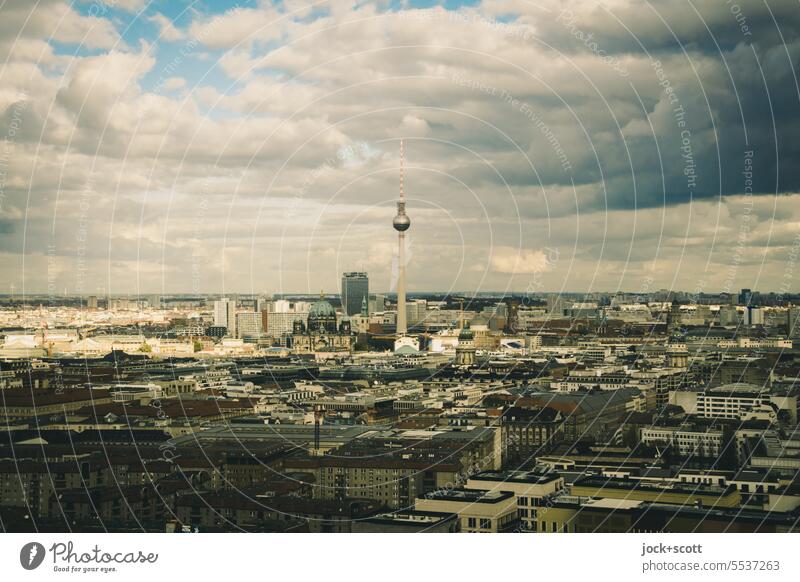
x=401, y=224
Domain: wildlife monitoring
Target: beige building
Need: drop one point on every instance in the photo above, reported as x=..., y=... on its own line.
x=479, y=510
x=531, y=490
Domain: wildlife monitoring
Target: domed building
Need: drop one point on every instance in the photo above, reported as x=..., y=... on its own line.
x=465, y=350
x=482, y=337
x=322, y=318
x=320, y=333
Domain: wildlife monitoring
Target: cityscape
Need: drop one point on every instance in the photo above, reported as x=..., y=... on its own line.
x=602, y=412
x=408, y=267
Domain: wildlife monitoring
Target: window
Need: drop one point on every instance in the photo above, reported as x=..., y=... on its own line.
x=472, y=522
x=486, y=523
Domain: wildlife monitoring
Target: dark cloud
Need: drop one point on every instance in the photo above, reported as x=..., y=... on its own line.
x=618, y=135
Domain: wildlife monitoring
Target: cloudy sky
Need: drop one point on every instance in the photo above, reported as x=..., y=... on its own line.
x=245, y=146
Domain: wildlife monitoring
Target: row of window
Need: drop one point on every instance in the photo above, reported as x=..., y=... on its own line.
x=472, y=523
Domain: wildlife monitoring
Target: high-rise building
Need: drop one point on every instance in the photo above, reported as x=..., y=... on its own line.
x=91, y=302
x=355, y=287
x=745, y=296
x=555, y=305
x=401, y=224
x=793, y=322
x=263, y=303
x=754, y=316
x=154, y=301
x=728, y=316
x=225, y=315
x=248, y=324
x=280, y=316
x=376, y=304
x=282, y=322
x=286, y=306
x=416, y=310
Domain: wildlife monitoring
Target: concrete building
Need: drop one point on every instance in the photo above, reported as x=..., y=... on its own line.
x=728, y=316
x=528, y=433
x=694, y=494
x=754, y=316
x=225, y=315
x=737, y=401
x=793, y=322
x=249, y=324
x=480, y=511
x=687, y=441
x=531, y=490
x=409, y=521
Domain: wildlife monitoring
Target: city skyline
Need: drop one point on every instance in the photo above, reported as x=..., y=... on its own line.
x=421, y=293
x=525, y=267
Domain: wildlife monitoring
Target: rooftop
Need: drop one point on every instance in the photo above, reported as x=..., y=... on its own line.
x=468, y=495
x=528, y=477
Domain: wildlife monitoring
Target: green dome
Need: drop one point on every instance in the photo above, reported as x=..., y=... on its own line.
x=322, y=308
x=322, y=318
x=466, y=333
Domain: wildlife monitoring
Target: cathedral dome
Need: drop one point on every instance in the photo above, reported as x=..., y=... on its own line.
x=322, y=317
x=322, y=308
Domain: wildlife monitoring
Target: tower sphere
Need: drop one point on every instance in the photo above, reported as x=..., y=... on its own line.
x=401, y=222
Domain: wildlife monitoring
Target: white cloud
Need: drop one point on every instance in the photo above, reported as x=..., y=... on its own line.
x=167, y=31
x=174, y=83
x=55, y=20
x=518, y=261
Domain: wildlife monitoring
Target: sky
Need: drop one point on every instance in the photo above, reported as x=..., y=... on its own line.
x=253, y=147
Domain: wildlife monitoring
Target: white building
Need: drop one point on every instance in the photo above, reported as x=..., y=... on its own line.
x=735, y=401
x=225, y=315
x=686, y=441
x=754, y=316
x=281, y=322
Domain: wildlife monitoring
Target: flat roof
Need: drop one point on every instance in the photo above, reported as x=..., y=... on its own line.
x=607, y=503
x=663, y=487
x=531, y=477
x=468, y=495
x=412, y=517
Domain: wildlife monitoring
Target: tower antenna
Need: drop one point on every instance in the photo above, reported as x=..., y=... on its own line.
x=402, y=171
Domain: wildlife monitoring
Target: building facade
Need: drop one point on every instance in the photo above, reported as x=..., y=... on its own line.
x=355, y=290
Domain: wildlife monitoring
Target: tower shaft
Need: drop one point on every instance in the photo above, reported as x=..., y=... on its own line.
x=402, y=326
x=401, y=224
